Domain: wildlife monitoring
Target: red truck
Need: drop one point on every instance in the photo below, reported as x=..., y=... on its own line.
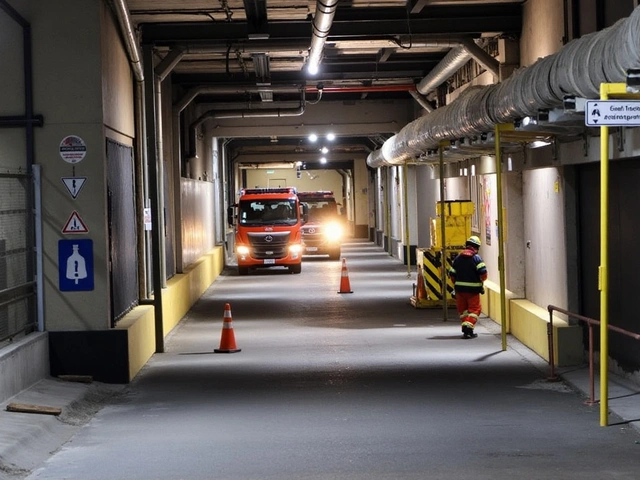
x=322, y=233
x=268, y=223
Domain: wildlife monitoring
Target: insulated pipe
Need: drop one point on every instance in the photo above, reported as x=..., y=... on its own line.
x=122, y=13
x=483, y=58
x=227, y=114
x=463, y=50
x=421, y=100
x=325, y=11
x=169, y=62
x=451, y=63
x=577, y=69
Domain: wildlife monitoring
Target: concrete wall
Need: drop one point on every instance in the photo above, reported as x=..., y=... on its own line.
x=68, y=64
x=12, y=141
x=23, y=364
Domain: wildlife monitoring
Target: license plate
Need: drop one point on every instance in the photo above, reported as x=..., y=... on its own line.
x=312, y=249
x=269, y=261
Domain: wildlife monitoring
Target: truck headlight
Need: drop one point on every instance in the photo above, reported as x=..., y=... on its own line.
x=295, y=248
x=333, y=231
x=242, y=250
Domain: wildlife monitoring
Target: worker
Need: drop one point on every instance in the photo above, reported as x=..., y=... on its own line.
x=468, y=273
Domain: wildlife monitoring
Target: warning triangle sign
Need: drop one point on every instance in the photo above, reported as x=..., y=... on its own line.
x=75, y=224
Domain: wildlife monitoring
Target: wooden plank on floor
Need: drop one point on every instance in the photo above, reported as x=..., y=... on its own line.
x=41, y=409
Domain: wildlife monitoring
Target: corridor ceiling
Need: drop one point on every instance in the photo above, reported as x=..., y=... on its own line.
x=248, y=52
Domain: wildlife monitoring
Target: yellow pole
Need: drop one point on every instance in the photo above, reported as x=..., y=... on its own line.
x=503, y=301
x=617, y=90
x=603, y=283
x=443, y=255
x=405, y=184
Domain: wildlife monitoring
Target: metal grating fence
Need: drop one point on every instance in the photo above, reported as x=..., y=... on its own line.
x=123, y=253
x=17, y=272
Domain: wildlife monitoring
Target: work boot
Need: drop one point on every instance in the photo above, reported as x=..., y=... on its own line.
x=471, y=333
x=466, y=332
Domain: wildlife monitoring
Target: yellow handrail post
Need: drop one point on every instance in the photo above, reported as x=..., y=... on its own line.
x=506, y=127
x=607, y=90
x=603, y=283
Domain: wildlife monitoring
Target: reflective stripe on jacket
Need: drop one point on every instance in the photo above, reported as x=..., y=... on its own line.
x=468, y=271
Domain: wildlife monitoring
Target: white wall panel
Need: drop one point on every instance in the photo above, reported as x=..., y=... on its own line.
x=544, y=230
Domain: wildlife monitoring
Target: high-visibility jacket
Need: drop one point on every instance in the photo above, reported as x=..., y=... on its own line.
x=468, y=272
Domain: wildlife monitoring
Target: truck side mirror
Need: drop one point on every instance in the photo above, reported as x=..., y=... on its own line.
x=230, y=215
x=304, y=212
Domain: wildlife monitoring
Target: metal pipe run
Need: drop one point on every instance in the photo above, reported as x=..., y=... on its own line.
x=577, y=69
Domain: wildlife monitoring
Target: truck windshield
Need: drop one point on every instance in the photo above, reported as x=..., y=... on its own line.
x=267, y=212
x=321, y=210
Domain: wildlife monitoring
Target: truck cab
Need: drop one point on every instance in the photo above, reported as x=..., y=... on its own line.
x=268, y=223
x=322, y=233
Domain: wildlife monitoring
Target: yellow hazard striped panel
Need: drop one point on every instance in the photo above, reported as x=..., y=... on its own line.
x=432, y=271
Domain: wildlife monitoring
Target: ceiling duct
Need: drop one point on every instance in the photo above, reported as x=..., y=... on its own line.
x=325, y=11
x=463, y=50
x=578, y=69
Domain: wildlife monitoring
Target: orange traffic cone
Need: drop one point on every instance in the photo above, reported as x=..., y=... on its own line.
x=345, y=286
x=227, y=339
x=421, y=291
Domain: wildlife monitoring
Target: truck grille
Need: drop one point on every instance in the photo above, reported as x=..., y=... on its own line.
x=269, y=244
x=313, y=236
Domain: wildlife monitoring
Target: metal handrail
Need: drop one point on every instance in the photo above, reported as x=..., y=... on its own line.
x=591, y=322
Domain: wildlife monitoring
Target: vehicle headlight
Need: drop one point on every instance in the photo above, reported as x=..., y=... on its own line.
x=295, y=248
x=242, y=250
x=333, y=231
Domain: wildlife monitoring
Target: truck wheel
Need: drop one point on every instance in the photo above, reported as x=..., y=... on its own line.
x=295, y=268
x=334, y=254
x=243, y=270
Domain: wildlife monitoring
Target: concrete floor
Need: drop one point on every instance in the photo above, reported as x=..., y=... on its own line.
x=342, y=386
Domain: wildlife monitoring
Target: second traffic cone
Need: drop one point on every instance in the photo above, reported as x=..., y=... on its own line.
x=227, y=339
x=345, y=286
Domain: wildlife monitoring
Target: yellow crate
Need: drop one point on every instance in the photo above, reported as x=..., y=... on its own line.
x=457, y=230
x=455, y=208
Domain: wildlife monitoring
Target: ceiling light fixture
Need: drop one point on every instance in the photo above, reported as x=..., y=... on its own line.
x=331, y=137
x=324, y=150
x=313, y=138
